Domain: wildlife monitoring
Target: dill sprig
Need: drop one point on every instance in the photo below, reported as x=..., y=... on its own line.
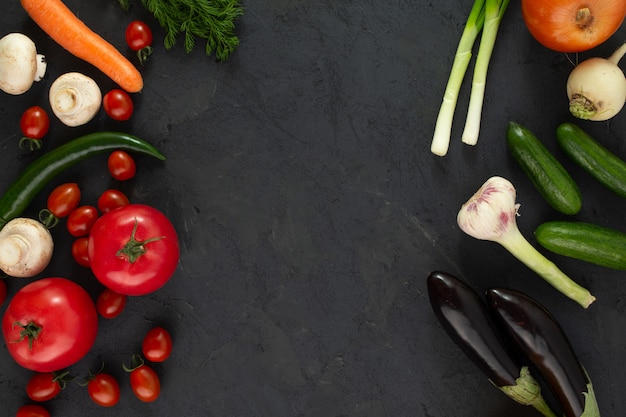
x=210, y=20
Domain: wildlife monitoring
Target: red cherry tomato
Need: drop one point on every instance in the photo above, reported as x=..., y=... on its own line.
x=3, y=291
x=64, y=199
x=121, y=165
x=112, y=199
x=81, y=219
x=110, y=304
x=44, y=386
x=80, y=252
x=104, y=390
x=157, y=345
x=34, y=125
x=144, y=381
x=133, y=250
x=118, y=105
x=50, y=324
x=138, y=35
x=32, y=410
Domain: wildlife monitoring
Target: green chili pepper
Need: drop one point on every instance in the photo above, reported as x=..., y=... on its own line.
x=19, y=195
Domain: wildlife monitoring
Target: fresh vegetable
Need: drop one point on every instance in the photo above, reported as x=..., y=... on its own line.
x=546, y=173
x=44, y=386
x=58, y=21
x=542, y=341
x=572, y=25
x=485, y=15
x=465, y=318
x=607, y=168
x=64, y=199
x=34, y=124
x=121, y=165
x=103, y=389
x=74, y=98
x=32, y=410
x=490, y=214
x=81, y=219
x=19, y=195
x=133, y=250
x=111, y=199
x=139, y=39
x=585, y=241
x=26, y=247
x=596, y=87
x=80, y=252
x=211, y=20
x=157, y=345
x=118, y=105
x=20, y=64
x=50, y=324
x=110, y=304
x=144, y=381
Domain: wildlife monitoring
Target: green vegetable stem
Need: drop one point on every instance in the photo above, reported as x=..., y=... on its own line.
x=19, y=195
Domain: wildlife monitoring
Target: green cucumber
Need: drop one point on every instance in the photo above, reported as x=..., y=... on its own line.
x=591, y=156
x=546, y=173
x=584, y=241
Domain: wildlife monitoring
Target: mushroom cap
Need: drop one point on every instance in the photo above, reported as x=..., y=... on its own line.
x=75, y=98
x=18, y=63
x=26, y=247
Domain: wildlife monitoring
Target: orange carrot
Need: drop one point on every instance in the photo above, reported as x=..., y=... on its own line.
x=58, y=21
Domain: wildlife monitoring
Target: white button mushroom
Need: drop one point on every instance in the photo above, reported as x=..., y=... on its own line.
x=26, y=247
x=20, y=65
x=75, y=98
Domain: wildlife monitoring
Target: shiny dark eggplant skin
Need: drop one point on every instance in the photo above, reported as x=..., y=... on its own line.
x=464, y=316
x=541, y=339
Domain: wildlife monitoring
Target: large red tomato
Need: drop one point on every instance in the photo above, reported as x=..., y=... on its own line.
x=133, y=250
x=50, y=324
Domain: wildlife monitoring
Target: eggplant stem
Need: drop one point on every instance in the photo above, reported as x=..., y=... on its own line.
x=527, y=391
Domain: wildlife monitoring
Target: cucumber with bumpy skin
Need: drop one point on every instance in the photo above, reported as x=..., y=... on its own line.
x=591, y=156
x=584, y=241
x=546, y=173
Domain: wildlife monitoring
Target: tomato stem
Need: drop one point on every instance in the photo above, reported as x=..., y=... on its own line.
x=30, y=331
x=48, y=219
x=136, y=361
x=134, y=248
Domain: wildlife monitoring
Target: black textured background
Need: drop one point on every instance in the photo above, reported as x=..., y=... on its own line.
x=310, y=211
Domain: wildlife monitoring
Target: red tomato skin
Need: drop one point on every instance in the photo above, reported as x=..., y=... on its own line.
x=64, y=199
x=145, y=383
x=118, y=105
x=79, y=251
x=121, y=165
x=157, y=345
x=68, y=319
x=81, y=219
x=151, y=270
x=138, y=35
x=112, y=199
x=110, y=304
x=32, y=410
x=104, y=390
x=34, y=123
x=3, y=291
x=42, y=387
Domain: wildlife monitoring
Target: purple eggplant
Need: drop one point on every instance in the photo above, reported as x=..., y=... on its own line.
x=541, y=340
x=465, y=317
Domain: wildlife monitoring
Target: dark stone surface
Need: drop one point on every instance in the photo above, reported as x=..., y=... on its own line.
x=310, y=211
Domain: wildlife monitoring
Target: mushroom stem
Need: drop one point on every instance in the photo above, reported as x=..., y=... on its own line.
x=26, y=247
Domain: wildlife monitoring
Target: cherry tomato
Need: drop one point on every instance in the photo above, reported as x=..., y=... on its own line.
x=572, y=25
x=50, y=324
x=118, y=105
x=80, y=252
x=157, y=345
x=44, y=386
x=32, y=410
x=144, y=381
x=3, y=291
x=138, y=35
x=104, y=390
x=112, y=199
x=133, y=250
x=34, y=125
x=81, y=219
x=64, y=199
x=121, y=165
x=110, y=304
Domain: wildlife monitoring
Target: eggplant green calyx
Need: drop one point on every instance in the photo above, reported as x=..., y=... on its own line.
x=591, y=404
x=527, y=391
